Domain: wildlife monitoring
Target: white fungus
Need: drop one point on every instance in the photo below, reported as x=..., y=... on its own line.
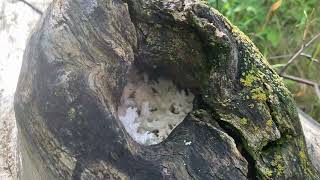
x=187, y=143
x=150, y=109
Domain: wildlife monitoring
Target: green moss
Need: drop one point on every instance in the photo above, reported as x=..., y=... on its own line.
x=72, y=113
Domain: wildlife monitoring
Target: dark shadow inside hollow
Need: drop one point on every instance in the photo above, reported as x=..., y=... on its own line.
x=172, y=51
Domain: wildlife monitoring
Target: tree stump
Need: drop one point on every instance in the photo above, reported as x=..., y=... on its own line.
x=178, y=62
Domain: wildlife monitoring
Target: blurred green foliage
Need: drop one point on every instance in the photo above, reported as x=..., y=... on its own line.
x=280, y=27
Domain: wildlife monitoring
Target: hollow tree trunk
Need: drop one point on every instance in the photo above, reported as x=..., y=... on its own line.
x=243, y=123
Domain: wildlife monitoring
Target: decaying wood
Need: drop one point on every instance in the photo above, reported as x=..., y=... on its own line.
x=244, y=123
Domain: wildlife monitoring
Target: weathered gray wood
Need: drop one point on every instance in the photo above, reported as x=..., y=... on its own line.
x=244, y=123
x=311, y=130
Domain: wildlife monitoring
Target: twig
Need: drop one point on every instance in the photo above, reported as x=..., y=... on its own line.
x=299, y=80
x=280, y=56
x=308, y=56
x=315, y=85
x=303, y=47
x=31, y=6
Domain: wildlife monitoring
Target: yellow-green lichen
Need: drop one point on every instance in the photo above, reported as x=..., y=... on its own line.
x=243, y=121
x=276, y=159
x=258, y=94
x=288, y=136
x=269, y=123
x=72, y=113
x=278, y=164
x=302, y=155
x=305, y=163
x=204, y=2
x=149, y=40
x=248, y=80
x=268, y=172
x=58, y=92
x=225, y=102
x=280, y=169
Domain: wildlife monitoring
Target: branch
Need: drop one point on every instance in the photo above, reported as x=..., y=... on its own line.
x=31, y=6
x=299, y=80
x=315, y=85
x=303, y=47
x=308, y=56
x=280, y=56
x=317, y=89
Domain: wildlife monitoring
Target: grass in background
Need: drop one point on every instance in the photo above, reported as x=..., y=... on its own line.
x=279, y=27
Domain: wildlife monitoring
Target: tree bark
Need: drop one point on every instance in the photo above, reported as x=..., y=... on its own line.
x=244, y=124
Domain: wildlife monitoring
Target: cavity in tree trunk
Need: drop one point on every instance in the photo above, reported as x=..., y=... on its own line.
x=133, y=89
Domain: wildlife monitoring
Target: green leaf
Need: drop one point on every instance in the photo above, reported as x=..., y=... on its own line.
x=273, y=36
x=212, y=3
x=277, y=65
x=316, y=52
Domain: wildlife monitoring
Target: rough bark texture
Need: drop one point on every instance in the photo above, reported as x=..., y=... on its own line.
x=244, y=123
